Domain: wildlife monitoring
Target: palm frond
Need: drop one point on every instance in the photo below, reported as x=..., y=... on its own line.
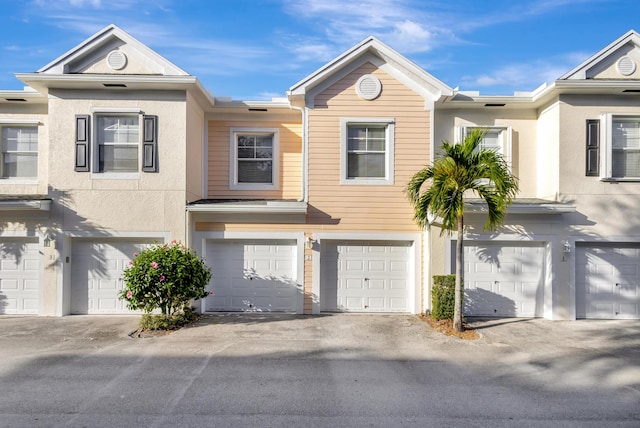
x=439, y=189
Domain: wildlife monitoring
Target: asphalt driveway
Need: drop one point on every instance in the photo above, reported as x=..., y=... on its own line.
x=340, y=370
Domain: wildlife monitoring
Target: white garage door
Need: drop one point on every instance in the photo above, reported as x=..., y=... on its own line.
x=607, y=281
x=253, y=276
x=503, y=279
x=365, y=276
x=19, y=276
x=96, y=274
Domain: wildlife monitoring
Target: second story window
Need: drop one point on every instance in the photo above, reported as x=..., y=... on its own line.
x=625, y=147
x=118, y=141
x=366, y=151
x=254, y=159
x=367, y=146
x=496, y=138
x=19, y=152
x=116, y=144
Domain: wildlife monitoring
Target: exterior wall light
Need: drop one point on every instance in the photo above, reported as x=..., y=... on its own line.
x=48, y=239
x=566, y=247
x=308, y=243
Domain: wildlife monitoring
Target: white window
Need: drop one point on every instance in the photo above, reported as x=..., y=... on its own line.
x=118, y=141
x=254, y=159
x=497, y=138
x=367, y=147
x=621, y=148
x=19, y=152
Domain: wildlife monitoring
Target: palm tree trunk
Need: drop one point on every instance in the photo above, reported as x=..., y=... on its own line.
x=457, y=308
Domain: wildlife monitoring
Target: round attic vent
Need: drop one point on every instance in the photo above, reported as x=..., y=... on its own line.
x=626, y=66
x=116, y=60
x=368, y=87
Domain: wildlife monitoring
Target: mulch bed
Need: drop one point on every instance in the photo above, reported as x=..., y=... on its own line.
x=446, y=327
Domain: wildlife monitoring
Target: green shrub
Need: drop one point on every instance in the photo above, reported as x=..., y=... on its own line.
x=166, y=277
x=443, y=296
x=161, y=322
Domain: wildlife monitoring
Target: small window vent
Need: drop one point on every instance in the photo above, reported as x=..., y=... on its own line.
x=116, y=60
x=626, y=66
x=368, y=87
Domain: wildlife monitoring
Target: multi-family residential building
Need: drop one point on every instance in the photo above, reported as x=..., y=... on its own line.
x=298, y=204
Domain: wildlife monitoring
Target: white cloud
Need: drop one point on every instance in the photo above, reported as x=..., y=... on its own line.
x=524, y=76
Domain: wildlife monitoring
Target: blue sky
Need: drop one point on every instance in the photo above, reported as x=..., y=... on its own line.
x=257, y=49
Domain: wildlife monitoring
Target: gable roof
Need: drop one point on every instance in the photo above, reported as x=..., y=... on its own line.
x=582, y=70
x=105, y=40
x=87, y=67
x=381, y=55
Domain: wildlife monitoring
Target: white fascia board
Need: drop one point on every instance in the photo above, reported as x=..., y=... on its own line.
x=300, y=87
x=379, y=49
x=26, y=205
x=168, y=67
x=515, y=208
x=579, y=72
x=271, y=207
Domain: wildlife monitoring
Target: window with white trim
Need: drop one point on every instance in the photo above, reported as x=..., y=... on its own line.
x=620, y=150
x=116, y=144
x=367, y=147
x=118, y=141
x=19, y=152
x=254, y=158
x=497, y=138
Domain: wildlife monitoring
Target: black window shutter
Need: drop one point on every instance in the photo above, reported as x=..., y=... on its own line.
x=593, y=148
x=83, y=143
x=150, y=143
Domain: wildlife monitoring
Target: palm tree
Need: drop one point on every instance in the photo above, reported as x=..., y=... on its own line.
x=439, y=191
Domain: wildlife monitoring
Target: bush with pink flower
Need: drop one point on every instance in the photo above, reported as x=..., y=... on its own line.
x=166, y=277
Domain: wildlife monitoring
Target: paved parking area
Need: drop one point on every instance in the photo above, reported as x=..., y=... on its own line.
x=337, y=370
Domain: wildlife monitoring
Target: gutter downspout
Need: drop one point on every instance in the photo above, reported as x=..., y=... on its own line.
x=305, y=152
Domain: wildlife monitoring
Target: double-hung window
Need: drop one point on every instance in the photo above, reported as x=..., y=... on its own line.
x=19, y=152
x=367, y=147
x=118, y=141
x=254, y=159
x=620, y=151
x=116, y=144
x=496, y=138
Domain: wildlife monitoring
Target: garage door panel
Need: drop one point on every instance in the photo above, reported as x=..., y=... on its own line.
x=365, y=276
x=607, y=281
x=252, y=275
x=505, y=279
x=97, y=273
x=20, y=265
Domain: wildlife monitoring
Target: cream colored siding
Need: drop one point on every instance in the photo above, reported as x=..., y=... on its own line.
x=290, y=152
x=194, y=167
x=372, y=208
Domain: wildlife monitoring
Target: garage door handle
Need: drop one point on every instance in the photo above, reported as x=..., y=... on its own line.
x=617, y=284
x=366, y=279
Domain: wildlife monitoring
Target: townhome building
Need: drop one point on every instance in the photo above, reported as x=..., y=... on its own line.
x=297, y=204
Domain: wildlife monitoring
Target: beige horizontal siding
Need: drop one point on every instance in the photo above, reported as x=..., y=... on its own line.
x=383, y=208
x=290, y=157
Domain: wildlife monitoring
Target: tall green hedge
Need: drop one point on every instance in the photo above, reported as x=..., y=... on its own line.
x=443, y=296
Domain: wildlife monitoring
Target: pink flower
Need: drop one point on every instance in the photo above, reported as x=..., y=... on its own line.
x=135, y=254
x=211, y=293
x=129, y=294
x=174, y=242
x=130, y=262
x=161, y=278
x=154, y=265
